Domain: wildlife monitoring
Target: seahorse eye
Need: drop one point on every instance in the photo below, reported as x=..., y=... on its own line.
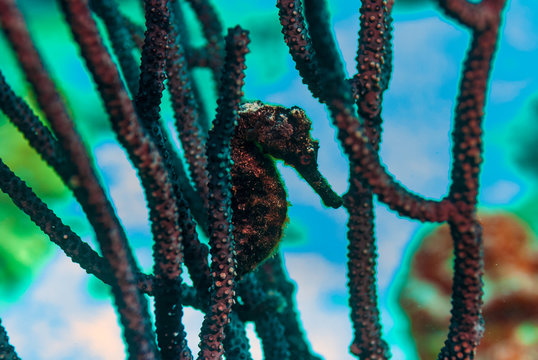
x=305, y=159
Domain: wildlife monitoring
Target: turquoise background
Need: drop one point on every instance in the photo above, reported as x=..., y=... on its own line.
x=50, y=313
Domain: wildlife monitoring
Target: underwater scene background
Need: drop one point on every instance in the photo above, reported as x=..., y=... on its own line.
x=53, y=310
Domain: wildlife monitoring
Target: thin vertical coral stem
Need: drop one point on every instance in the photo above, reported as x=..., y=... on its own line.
x=147, y=102
x=220, y=211
x=186, y=112
x=469, y=112
x=167, y=234
x=373, y=56
x=180, y=25
x=466, y=323
x=7, y=351
x=362, y=255
x=374, y=68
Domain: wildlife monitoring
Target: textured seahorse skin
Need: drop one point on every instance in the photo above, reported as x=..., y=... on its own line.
x=263, y=133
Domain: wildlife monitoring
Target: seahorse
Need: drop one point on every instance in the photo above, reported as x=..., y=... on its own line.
x=259, y=202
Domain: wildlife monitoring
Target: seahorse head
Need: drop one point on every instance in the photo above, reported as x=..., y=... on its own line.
x=285, y=133
x=282, y=132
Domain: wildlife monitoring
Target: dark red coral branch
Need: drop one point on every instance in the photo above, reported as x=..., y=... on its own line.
x=79, y=251
x=186, y=113
x=122, y=42
x=175, y=232
x=35, y=132
x=142, y=151
x=374, y=68
x=373, y=54
x=297, y=38
x=83, y=182
x=360, y=141
x=469, y=111
x=59, y=233
x=466, y=323
x=362, y=255
x=154, y=52
x=72, y=245
x=220, y=211
x=167, y=233
x=213, y=32
x=147, y=102
x=89, y=193
x=206, y=58
x=169, y=193
x=351, y=132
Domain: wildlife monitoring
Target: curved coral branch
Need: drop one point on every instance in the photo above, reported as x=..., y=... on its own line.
x=297, y=38
x=352, y=134
x=79, y=251
x=121, y=40
x=476, y=16
x=469, y=111
x=35, y=132
x=212, y=29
